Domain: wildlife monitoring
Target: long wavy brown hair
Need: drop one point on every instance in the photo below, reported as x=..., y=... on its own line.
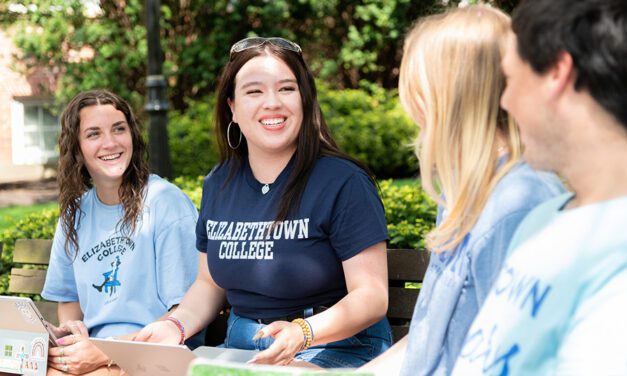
x=74, y=179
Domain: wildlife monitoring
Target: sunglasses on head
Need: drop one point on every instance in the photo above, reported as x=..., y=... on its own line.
x=253, y=42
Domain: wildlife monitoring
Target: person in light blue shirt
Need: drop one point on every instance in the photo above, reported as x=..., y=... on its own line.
x=550, y=312
x=559, y=305
x=105, y=276
x=469, y=151
x=124, y=252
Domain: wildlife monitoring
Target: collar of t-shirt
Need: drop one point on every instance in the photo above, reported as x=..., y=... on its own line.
x=259, y=187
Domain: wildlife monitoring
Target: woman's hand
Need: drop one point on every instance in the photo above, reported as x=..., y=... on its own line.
x=288, y=340
x=75, y=354
x=57, y=331
x=159, y=331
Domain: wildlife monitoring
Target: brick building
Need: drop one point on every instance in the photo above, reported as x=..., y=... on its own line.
x=29, y=127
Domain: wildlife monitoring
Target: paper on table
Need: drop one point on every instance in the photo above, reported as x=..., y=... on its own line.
x=217, y=367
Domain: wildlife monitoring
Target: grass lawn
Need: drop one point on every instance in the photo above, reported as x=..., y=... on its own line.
x=12, y=214
x=407, y=181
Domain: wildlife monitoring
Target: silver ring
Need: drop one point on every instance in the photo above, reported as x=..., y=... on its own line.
x=61, y=360
x=64, y=367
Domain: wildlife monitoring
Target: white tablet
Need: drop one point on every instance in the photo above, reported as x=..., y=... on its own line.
x=142, y=358
x=21, y=314
x=24, y=337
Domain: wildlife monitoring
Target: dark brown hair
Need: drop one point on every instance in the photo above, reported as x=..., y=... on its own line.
x=591, y=31
x=74, y=179
x=314, y=137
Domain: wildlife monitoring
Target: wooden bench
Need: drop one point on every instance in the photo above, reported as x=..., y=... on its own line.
x=404, y=266
x=28, y=278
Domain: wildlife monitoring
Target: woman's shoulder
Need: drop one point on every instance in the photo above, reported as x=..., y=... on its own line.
x=218, y=174
x=162, y=191
x=88, y=195
x=332, y=175
x=337, y=167
x=157, y=184
x=518, y=192
x=524, y=187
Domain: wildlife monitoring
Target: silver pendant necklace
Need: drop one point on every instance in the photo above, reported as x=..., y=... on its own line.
x=265, y=189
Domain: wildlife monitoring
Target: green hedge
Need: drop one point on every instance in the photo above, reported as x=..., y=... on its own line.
x=409, y=212
x=34, y=226
x=367, y=124
x=372, y=127
x=192, y=143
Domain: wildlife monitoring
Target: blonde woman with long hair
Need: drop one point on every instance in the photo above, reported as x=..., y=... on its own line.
x=469, y=150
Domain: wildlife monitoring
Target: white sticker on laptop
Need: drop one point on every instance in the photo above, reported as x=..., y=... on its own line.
x=38, y=349
x=27, y=313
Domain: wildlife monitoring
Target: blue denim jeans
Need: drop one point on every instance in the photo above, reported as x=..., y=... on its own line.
x=351, y=352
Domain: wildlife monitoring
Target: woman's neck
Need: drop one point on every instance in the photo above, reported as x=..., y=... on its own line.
x=502, y=147
x=267, y=167
x=108, y=194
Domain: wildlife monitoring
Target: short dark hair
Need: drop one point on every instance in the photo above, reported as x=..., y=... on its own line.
x=593, y=32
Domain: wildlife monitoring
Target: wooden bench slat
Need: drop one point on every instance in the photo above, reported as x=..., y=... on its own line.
x=402, y=302
x=398, y=332
x=32, y=251
x=27, y=281
x=407, y=264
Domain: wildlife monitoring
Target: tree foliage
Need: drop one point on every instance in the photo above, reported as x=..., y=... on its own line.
x=345, y=41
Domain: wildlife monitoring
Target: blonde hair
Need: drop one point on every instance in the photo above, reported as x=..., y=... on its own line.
x=450, y=84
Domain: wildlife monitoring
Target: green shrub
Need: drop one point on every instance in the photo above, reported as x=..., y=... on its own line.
x=409, y=212
x=192, y=188
x=192, y=143
x=35, y=226
x=368, y=125
x=371, y=127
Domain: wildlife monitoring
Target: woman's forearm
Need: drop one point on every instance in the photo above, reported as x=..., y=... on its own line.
x=69, y=311
x=202, y=302
x=366, y=301
x=355, y=312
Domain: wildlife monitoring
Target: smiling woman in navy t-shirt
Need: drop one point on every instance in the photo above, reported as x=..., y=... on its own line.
x=293, y=229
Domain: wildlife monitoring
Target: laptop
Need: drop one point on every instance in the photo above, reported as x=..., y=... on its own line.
x=24, y=337
x=155, y=359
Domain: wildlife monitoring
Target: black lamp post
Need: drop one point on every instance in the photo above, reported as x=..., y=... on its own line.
x=157, y=105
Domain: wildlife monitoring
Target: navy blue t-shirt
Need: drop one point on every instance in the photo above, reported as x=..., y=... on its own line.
x=270, y=272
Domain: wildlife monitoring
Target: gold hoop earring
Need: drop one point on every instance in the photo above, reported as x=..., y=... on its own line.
x=228, y=137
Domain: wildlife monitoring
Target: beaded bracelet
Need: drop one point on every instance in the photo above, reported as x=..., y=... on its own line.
x=179, y=325
x=307, y=333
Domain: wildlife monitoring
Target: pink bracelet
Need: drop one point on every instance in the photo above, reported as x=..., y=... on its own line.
x=179, y=325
